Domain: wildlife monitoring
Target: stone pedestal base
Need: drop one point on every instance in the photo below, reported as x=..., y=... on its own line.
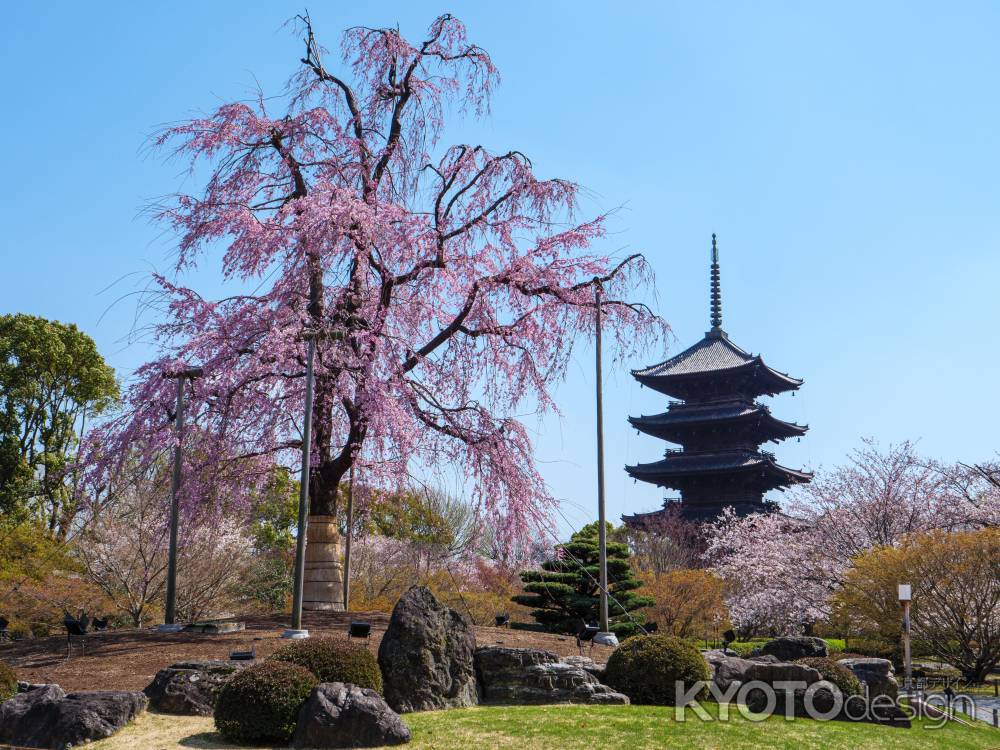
x=323, y=587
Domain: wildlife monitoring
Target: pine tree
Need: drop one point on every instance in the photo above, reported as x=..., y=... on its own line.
x=565, y=590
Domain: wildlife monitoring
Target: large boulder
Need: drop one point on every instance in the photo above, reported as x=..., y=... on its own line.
x=802, y=703
x=426, y=655
x=345, y=715
x=49, y=718
x=792, y=647
x=821, y=703
x=191, y=687
x=24, y=717
x=727, y=670
x=533, y=676
x=877, y=674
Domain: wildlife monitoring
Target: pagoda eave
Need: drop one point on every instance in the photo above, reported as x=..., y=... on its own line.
x=755, y=376
x=676, y=424
x=675, y=470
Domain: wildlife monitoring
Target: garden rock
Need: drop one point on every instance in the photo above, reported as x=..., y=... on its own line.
x=528, y=676
x=821, y=701
x=23, y=717
x=877, y=674
x=24, y=687
x=191, y=687
x=586, y=663
x=426, y=655
x=792, y=647
x=727, y=670
x=345, y=715
x=47, y=717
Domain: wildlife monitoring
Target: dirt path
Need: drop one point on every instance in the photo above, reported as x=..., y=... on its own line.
x=128, y=659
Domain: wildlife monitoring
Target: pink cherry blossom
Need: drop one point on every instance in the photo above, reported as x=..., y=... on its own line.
x=448, y=285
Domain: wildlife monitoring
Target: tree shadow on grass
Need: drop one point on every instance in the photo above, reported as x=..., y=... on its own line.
x=204, y=741
x=215, y=741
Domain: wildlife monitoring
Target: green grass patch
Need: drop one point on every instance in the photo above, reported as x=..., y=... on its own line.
x=743, y=648
x=589, y=727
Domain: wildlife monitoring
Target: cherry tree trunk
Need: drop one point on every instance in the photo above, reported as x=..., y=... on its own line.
x=323, y=588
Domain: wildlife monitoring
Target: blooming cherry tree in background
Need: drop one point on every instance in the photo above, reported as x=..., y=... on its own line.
x=123, y=549
x=782, y=568
x=876, y=499
x=447, y=284
x=777, y=577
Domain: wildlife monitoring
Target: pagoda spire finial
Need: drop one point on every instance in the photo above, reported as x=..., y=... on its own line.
x=716, y=295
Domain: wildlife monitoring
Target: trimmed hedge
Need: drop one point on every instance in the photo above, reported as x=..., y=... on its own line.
x=836, y=673
x=8, y=682
x=647, y=667
x=261, y=703
x=333, y=660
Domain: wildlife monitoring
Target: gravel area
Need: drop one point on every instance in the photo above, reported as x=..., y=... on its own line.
x=128, y=659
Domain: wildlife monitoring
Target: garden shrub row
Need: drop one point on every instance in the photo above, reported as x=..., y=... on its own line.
x=261, y=704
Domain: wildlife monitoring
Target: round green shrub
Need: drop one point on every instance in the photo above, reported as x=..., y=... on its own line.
x=333, y=660
x=836, y=673
x=647, y=667
x=8, y=682
x=261, y=703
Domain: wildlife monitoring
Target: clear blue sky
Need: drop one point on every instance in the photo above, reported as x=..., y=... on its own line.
x=846, y=154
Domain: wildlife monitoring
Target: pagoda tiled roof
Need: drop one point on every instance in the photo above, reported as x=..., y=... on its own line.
x=711, y=354
x=714, y=354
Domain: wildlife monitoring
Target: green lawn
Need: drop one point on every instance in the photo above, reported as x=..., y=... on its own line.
x=589, y=727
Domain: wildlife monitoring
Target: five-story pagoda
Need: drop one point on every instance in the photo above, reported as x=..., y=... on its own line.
x=718, y=423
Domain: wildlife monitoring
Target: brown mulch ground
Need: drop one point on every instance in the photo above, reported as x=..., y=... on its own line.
x=128, y=659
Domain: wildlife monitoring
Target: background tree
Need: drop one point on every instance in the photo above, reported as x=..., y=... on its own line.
x=124, y=546
x=52, y=379
x=956, y=595
x=668, y=543
x=781, y=569
x=689, y=603
x=565, y=590
x=876, y=498
x=268, y=582
x=448, y=287
x=778, y=578
x=419, y=535
x=427, y=517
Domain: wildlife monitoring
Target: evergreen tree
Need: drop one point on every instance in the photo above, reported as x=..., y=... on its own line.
x=565, y=590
